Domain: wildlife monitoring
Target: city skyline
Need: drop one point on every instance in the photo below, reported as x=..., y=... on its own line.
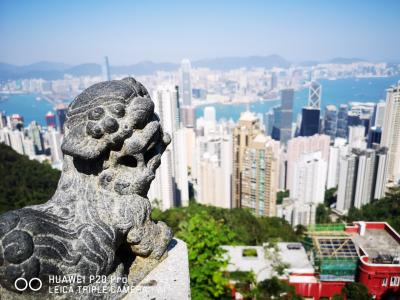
x=129, y=33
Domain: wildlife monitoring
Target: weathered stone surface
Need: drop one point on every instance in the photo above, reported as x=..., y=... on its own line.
x=169, y=280
x=99, y=218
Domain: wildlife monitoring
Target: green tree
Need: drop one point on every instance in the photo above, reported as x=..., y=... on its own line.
x=276, y=289
x=330, y=196
x=322, y=214
x=386, y=209
x=356, y=291
x=280, y=195
x=204, y=237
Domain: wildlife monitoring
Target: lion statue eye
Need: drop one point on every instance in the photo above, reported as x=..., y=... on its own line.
x=94, y=130
x=118, y=110
x=110, y=125
x=96, y=113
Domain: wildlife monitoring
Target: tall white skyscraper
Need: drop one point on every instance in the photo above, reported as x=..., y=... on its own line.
x=365, y=177
x=105, y=68
x=186, y=85
x=391, y=133
x=347, y=182
x=335, y=152
x=308, y=188
x=171, y=184
x=379, y=114
x=357, y=137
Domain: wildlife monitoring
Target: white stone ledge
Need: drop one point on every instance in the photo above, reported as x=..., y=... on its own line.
x=169, y=280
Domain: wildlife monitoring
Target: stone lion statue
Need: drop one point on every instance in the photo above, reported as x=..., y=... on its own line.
x=98, y=220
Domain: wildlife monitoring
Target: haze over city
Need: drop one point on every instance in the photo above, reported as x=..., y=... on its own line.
x=75, y=32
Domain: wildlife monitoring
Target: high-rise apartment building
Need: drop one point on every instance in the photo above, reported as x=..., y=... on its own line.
x=391, y=133
x=259, y=178
x=61, y=111
x=347, y=182
x=247, y=128
x=379, y=114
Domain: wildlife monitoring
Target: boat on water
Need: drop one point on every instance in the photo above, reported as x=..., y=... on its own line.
x=38, y=98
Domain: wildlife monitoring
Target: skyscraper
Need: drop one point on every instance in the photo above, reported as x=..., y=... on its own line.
x=61, y=110
x=171, y=183
x=247, y=128
x=347, y=182
x=186, y=85
x=362, y=178
x=379, y=114
x=51, y=120
x=342, y=124
x=391, y=132
x=309, y=121
x=274, y=81
x=287, y=97
x=105, y=68
x=330, y=121
x=259, y=179
x=314, y=95
x=277, y=116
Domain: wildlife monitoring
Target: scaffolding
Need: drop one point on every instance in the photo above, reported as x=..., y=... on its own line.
x=335, y=255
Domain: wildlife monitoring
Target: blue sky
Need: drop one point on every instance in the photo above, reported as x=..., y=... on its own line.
x=131, y=31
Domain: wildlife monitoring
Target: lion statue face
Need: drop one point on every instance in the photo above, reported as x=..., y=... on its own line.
x=113, y=133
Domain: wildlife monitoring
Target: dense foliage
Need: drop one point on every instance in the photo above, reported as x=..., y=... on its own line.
x=386, y=209
x=24, y=182
x=249, y=230
x=281, y=195
x=204, y=236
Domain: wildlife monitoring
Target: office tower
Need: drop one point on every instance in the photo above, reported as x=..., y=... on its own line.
x=61, y=111
x=336, y=151
x=374, y=136
x=259, y=178
x=304, y=145
x=247, y=128
x=342, y=122
x=330, y=121
x=274, y=81
x=314, y=95
x=36, y=136
x=287, y=97
x=51, y=120
x=105, y=68
x=353, y=119
x=309, y=121
x=347, y=182
x=379, y=114
x=186, y=86
x=391, y=132
x=188, y=116
x=309, y=178
x=277, y=116
x=268, y=122
x=16, y=122
x=356, y=137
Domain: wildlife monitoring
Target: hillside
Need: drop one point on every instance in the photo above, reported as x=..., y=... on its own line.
x=23, y=181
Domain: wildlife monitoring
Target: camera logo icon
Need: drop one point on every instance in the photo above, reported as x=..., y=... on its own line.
x=34, y=284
